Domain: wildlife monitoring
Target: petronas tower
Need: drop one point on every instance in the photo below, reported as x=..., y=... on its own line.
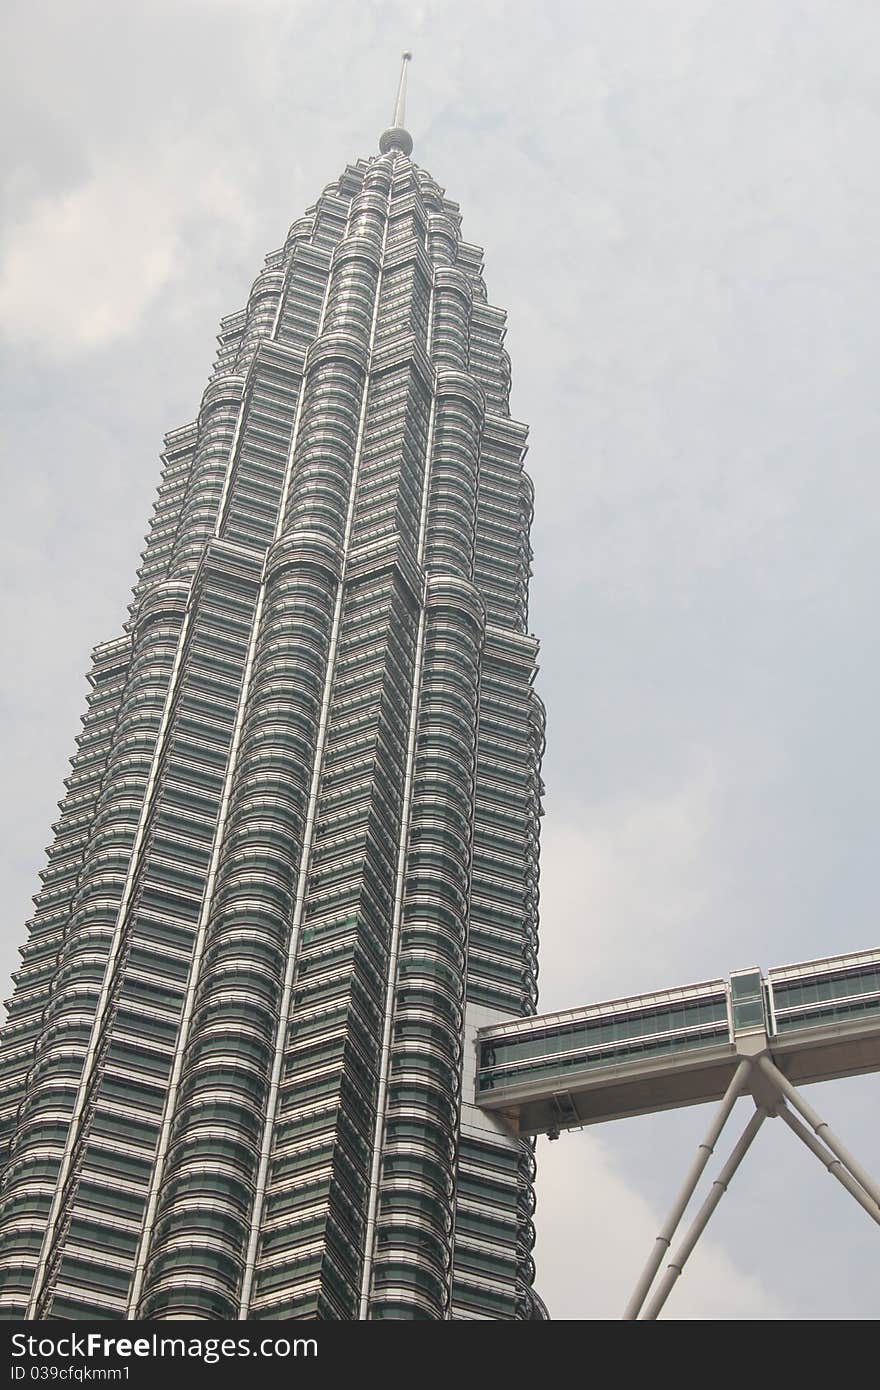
x=296, y=865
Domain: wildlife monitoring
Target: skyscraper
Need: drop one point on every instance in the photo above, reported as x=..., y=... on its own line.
x=296, y=865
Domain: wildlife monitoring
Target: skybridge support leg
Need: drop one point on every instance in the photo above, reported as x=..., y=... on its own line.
x=701, y=1220
x=823, y=1131
x=834, y=1165
x=704, y=1153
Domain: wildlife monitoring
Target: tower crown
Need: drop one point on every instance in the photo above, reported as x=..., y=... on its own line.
x=397, y=137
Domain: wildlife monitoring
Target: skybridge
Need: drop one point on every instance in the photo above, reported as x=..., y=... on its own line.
x=714, y=1041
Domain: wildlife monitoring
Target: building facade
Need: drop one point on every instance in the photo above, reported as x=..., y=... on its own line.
x=296, y=866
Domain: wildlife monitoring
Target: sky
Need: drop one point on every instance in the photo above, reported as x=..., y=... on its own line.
x=679, y=205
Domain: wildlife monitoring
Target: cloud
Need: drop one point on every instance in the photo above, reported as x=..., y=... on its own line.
x=80, y=269
x=597, y=1232
x=627, y=885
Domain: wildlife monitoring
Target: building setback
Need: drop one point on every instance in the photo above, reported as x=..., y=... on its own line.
x=296, y=866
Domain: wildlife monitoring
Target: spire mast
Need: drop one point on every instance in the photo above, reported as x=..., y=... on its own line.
x=398, y=120
x=397, y=137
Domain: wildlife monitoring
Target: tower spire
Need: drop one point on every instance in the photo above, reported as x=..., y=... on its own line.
x=398, y=120
x=397, y=137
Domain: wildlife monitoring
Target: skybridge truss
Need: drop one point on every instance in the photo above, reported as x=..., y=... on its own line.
x=756, y=1035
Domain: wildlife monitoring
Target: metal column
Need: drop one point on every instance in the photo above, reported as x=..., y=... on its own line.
x=704, y=1153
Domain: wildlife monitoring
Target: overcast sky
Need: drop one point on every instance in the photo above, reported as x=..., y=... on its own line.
x=679, y=205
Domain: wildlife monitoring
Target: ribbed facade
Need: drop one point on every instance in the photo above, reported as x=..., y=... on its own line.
x=297, y=860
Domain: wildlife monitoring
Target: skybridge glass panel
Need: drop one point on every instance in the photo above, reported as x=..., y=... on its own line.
x=747, y=997
x=635, y=1034
x=827, y=996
